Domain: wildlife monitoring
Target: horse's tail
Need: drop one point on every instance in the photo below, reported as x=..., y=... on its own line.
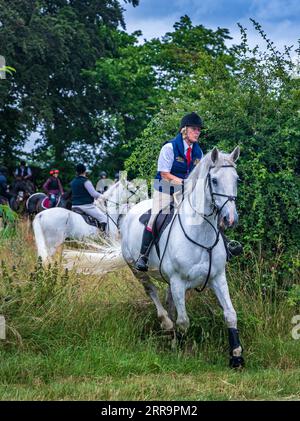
x=106, y=258
x=40, y=240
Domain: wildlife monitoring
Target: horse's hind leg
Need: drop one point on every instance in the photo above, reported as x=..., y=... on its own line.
x=170, y=304
x=150, y=289
x=220, y=287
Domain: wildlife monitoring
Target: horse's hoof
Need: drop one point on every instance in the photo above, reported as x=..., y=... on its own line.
x=236, y=362
x=167, y=325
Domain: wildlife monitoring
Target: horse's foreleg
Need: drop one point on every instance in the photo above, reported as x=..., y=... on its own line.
x=162, y=314
x=220, y=287
x=178, y=290
x=170, y=304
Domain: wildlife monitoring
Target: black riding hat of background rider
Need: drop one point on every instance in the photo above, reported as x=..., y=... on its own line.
x=80, y=168
x=3, y=169
x=191, y=119
x=103, y=174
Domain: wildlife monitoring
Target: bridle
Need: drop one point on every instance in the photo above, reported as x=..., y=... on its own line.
x=230, y=198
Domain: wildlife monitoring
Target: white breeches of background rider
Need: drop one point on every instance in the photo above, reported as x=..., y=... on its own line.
x=93, y=211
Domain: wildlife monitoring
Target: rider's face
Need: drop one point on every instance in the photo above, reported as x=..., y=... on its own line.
x=193, y=133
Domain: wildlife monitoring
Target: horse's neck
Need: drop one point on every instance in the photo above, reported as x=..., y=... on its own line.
x=197, y=212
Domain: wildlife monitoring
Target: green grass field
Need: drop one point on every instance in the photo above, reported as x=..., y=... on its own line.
x=81, y=337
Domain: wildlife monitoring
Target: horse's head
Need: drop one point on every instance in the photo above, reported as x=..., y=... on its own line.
x=222, y=186
x=127, y=192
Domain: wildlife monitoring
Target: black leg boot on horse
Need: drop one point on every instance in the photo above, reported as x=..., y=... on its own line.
x=233, y=248
x=147, y=241
x=103, y=226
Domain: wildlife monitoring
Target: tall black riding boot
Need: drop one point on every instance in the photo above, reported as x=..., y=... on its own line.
x=141, y=263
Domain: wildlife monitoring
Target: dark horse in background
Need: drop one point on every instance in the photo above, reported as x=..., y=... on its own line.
x=20, y=192
x=39, y=201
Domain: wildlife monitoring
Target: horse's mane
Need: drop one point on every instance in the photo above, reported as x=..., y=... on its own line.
x=202, y=168
x=111, y=189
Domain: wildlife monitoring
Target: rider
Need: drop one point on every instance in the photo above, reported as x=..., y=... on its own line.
x=23, y=172
x=53, y=187
x=104, y=183
x=177, y=159
x=3, y=184
x=83, y=195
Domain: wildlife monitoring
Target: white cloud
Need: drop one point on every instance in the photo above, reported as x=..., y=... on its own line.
x=276, y=9
x=281, y=32
x=151, y=27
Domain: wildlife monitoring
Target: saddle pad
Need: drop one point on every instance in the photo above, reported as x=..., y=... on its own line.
x=46, y=204
x=88, y=219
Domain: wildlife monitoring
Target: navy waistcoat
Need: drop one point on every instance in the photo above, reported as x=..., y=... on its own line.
x=80, y=195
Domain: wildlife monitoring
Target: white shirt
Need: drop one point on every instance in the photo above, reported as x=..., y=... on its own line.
x=166, y=156
x=23, y=170
x=90, y=188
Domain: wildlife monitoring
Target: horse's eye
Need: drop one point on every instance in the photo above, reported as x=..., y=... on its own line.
x=214, y=181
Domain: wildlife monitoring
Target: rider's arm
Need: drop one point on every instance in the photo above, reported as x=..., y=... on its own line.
x=29, y=173
x=45, y=186
x=90, y=188
x=170, y=177
x=165, y=163
x=61, y=190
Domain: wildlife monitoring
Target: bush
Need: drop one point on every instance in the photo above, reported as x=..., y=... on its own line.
x=251, y=101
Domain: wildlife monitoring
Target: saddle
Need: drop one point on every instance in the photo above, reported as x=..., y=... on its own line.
x=161, y=222
x=88, y=219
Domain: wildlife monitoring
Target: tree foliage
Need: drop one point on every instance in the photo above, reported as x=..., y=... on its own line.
x=49, y=43
x=135, y=78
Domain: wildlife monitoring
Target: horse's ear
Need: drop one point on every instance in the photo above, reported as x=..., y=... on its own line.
x=235, y=154
x=214, y=155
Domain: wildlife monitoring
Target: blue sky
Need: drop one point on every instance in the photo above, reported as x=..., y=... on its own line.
x=280, y=19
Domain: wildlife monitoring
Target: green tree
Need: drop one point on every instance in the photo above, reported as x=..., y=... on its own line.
x=48, y=43
x=135, y=78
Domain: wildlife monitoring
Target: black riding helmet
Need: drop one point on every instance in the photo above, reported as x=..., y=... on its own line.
x=191, y=119
x=80, y=168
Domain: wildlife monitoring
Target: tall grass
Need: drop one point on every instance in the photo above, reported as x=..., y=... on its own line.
x=78, y=336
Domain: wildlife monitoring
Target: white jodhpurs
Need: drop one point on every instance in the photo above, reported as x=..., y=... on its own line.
x=93, y=211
